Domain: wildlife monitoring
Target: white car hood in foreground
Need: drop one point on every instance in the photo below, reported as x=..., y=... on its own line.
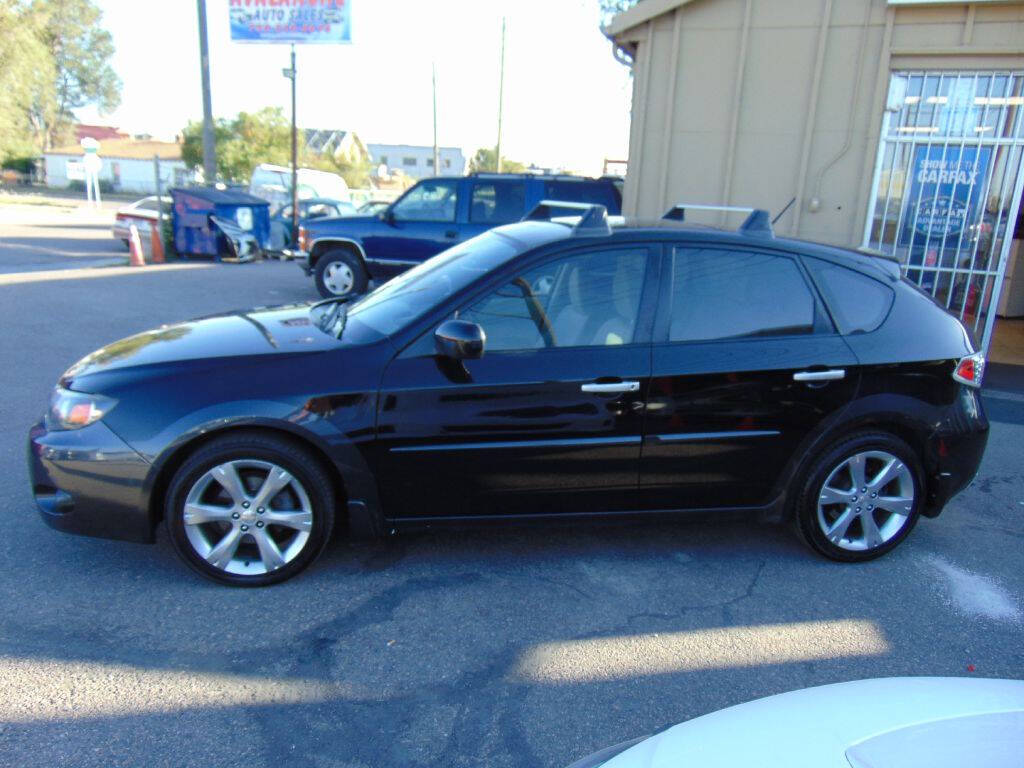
x=899, y=722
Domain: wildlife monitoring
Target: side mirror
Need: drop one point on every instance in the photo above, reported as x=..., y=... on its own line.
x=460, y=340
x=387, y=216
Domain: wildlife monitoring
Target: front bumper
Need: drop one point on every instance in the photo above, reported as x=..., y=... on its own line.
x=299, y=257
x=88, y=481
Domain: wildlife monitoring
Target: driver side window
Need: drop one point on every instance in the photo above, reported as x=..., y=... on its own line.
x=587, y=299
x=432, y=200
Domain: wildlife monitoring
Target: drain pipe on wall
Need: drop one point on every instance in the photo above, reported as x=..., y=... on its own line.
x=814, y=204
x=805, y=155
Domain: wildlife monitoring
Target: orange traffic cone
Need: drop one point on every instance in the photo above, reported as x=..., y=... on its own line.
x=157, y=242
x=135, y=248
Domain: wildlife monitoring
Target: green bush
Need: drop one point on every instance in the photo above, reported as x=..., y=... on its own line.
x=167, y=231
x=21, y=164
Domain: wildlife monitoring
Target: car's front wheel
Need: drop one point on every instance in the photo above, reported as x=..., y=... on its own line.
x=250, y=509
x=340, y=273
x=861, y=497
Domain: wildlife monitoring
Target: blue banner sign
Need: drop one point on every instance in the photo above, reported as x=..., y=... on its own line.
x=944, y=192
x=291, y=21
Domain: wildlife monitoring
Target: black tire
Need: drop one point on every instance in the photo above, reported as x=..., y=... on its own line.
x=340, y=256
x=256, y=447
x=806, y=520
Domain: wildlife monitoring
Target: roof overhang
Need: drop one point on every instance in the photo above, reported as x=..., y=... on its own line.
x=622, y=24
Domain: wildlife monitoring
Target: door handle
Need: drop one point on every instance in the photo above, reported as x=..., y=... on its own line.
x=831, y=375
x=451, y=234
x=612, y=388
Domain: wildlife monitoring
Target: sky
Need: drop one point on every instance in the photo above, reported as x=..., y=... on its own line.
x=566, y=98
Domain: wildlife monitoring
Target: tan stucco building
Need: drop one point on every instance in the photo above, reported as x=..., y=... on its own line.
x=892, y=124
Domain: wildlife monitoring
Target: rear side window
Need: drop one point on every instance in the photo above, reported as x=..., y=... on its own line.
x=599, y=193
x=858, y=303
x=497, y=202
x=721, y=294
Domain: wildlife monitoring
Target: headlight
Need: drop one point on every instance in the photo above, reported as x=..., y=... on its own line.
x=74, y=410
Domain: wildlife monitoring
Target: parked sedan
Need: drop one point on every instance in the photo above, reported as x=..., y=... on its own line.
x=903, y=722
x=313, y=208
x=142, y=213
x=546, y=368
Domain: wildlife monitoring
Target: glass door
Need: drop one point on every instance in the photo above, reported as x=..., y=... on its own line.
x=947, y=185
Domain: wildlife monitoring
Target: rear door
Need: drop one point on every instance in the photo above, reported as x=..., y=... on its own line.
x=550, y=419
x=745, y=364
x=493, y=202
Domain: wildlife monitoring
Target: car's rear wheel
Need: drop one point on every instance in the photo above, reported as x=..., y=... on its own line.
x=250, y=509
x=861, y=497
x=340, y=273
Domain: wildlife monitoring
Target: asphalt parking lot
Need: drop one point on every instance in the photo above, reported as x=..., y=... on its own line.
x=527, y=647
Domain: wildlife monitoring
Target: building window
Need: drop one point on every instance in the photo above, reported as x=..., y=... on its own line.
x=383, y=160
x=409, y=161
x=447, y=163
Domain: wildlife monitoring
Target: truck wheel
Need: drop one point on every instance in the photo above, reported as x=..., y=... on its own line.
x=340, y=273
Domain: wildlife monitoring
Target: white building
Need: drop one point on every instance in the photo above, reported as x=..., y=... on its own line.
x=127, y=165
x=418, y=161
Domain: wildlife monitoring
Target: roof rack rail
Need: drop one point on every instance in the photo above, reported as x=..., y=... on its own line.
x=759, y=221
x=593, y=217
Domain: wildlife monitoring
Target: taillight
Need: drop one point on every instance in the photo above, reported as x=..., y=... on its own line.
x=303, y=237
x=121, y=217
x=970, y=370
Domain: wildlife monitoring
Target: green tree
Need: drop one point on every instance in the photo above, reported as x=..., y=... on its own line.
x=242, y=143
x=611, y=8
x=486, y=159
x=26, y=77
x=80, y=51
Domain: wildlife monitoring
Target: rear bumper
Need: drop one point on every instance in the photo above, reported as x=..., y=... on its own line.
x=956, y=450
x=89, y=482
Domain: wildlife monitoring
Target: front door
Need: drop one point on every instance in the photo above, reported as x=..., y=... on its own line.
x=421, y=224
x=745, y=365
x=549, y=420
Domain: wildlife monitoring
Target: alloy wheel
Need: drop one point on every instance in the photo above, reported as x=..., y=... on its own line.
x=338, y=278
x=247, y=517
x=866, y=500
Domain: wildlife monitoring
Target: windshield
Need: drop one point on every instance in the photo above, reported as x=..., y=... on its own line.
x=414, y=293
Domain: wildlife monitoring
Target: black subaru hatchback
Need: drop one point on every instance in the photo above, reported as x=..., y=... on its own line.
x=550, y=368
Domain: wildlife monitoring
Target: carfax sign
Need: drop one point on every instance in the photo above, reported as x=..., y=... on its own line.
x=291, y=21
x=944, y=192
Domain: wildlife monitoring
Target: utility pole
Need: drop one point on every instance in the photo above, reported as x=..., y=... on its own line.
x=290, y=74
x=437, y=154
x=501, y=93
x=209, y=149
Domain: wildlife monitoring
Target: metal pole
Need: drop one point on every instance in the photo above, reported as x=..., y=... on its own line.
x=295, y=161
x=159, y=199
x=437, y=154
x=501, y=94
x=209, y=149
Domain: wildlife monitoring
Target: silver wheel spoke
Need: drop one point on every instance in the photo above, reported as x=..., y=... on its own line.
x=857, y=474
x=222, y=553
x=834, y=496
x=872, y=536
x=841, y=525
x=892, y=470
x=196, y=514
x=276, y=481
x=898, y=505
x=227, y=476
x=300, y=520
x=269, y=552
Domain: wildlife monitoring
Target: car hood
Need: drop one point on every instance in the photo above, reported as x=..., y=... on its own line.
x=262, y=331
x=849, y=725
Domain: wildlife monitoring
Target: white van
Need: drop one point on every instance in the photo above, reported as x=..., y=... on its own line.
x=274, y=182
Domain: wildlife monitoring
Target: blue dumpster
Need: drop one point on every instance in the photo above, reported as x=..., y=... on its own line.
x=195, y=234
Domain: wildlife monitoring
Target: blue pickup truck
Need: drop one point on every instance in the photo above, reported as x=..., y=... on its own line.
x=344, y=254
